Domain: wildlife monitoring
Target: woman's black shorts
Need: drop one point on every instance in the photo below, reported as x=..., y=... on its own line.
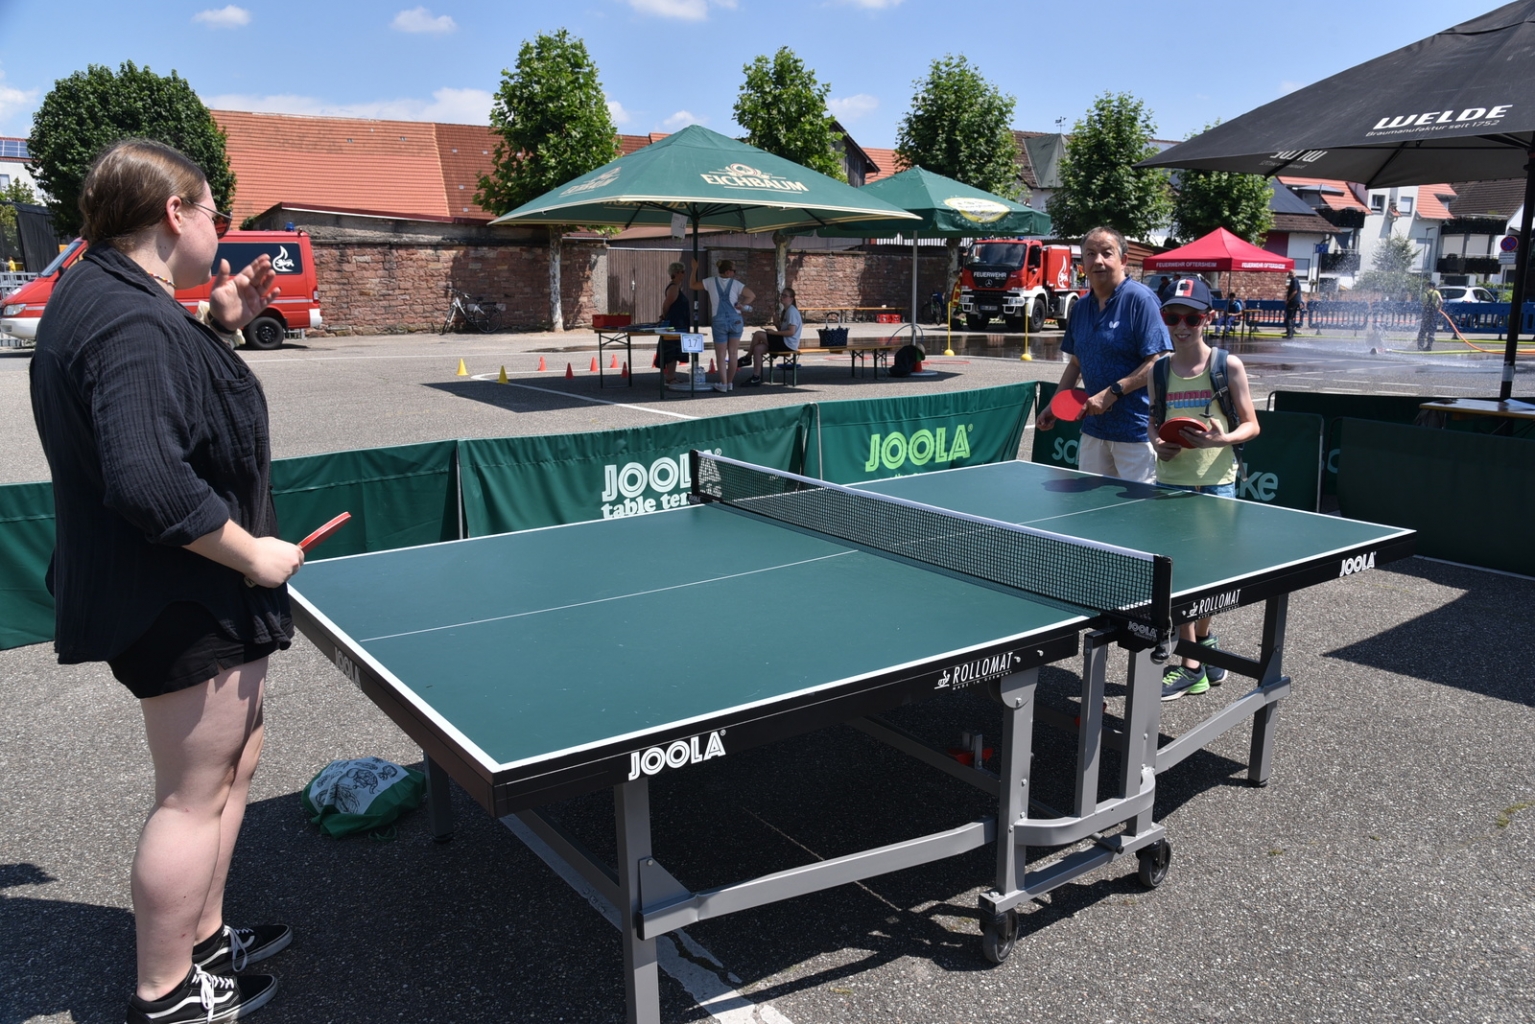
x=183, y=647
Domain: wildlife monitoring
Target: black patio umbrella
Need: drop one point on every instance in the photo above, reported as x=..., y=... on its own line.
x=1457, y=106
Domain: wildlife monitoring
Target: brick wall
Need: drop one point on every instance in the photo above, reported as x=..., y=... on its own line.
x=394, y=288
x=397, y=288
x=1257, y=285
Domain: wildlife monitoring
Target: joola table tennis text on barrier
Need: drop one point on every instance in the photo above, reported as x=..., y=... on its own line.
x=1015, y=565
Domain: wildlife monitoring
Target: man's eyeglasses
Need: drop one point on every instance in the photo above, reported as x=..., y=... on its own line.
x=1173, y=319
x=221, y=220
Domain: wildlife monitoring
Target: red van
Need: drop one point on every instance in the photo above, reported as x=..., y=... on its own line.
x=296, y=309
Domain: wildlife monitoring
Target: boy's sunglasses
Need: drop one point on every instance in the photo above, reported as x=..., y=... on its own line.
x=1173, y=319
x=221, y=220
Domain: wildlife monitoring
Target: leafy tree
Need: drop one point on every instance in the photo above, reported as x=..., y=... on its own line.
x=1391, y=270
x=10, y=235
x=782, y=106
x=1100, y=183
x=960, y=126
x=554, y=126
x=91, y=109
x=1206, y=200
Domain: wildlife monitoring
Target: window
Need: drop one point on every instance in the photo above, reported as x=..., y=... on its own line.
x=1404, y=205
x=5, y=181
x=1377, y=202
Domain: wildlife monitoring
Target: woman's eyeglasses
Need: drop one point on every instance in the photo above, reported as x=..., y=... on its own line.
x=1173, y=319
x=221, y=220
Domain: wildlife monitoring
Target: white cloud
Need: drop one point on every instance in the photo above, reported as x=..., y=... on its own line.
x=681, y=119
x=419, y=19
x=455, y=106
x=851, y=108
x=15, y=101
x=872, y=5
x=224, y=17
x=617, y=112
x=1286, y=87
x=684, y=10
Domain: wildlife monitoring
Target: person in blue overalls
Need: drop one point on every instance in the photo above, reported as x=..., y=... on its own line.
x=727, y=297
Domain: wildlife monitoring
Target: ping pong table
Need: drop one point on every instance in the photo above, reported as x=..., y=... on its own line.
x=526, y=665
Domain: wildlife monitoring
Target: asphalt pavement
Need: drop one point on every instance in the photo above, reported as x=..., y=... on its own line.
x=1386, y=874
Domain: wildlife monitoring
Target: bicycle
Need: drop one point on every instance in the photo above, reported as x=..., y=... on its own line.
x=936, y=310
x=464, y=313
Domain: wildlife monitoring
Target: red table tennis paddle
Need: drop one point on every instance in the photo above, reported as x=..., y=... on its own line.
x=324, y=533
x=1172, y=430
x=1068, y=405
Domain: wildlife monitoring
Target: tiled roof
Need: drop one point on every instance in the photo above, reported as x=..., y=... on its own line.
x=404, y=167
x=1336, y=194
x=1500, y=199
x=1433, y=200
x=885, y=160
x=1302, y=223
x=629, y=143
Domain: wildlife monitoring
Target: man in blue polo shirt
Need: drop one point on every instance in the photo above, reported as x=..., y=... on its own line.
x=1115, y=334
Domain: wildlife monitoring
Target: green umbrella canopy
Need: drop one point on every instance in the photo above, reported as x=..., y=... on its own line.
x=715, y=182
x=948, y=208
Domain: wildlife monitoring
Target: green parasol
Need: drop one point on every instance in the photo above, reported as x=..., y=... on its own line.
x=947, y=208
x=712, y=182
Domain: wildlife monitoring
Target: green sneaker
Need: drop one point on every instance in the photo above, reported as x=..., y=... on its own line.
x=1179, y=681
x=1215, y=674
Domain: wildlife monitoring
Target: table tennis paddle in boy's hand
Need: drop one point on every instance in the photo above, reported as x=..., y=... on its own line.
x=1068, y=405
x=324, y=533
x=1172, y=430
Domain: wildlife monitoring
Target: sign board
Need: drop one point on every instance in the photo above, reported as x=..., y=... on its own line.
x=1507, y=259
x=1509, y=243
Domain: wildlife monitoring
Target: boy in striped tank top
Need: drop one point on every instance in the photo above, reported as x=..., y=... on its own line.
x=1187, y=383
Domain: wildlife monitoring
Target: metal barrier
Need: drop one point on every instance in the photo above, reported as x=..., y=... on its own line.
x=11, y=280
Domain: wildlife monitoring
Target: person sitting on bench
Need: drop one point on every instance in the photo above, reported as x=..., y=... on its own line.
x=783, y=338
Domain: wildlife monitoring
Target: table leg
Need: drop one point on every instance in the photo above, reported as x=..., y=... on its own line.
x=1260, y=761
x=631, y=813
x=1143, y=725
x=1016, y=693
x=439, y=802
x=1095, y=660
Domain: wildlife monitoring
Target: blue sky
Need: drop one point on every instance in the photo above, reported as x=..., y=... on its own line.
x=668, y=63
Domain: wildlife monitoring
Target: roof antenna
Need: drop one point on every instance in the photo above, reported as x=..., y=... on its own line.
x=1058, y=122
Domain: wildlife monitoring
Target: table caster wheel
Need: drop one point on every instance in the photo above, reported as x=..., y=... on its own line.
x=999, y=935
x=1155, y=860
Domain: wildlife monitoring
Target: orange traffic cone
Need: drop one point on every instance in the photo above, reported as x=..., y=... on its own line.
x=541, y=366
x=614, y=364
x=655, y=361
x=570, y=374
x=594, y=365
x=626, y=368
x=711, y=367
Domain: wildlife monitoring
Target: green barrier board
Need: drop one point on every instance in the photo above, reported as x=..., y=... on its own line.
x=884, y=437
x=521, y=483
x=1282, y=466
x=26, y=545
x=1467, y=495
x=398, y=497
x=1331, y=407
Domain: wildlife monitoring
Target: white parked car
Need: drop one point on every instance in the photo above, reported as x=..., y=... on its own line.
x=1460, y=293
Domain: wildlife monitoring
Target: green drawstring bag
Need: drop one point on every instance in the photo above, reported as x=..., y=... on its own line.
x=364, y=795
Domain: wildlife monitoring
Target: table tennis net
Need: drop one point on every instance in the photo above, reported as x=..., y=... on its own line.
x=1054, y=566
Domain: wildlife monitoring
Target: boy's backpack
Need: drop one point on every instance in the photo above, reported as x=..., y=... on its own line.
x=1219, y=383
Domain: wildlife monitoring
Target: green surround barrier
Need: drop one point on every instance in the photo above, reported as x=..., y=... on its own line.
x=1466, y=494
x=869, y=439
x=398, y=497
x=522, y=483
x=1332, y=407
x=26, y=526
x=1283, y=465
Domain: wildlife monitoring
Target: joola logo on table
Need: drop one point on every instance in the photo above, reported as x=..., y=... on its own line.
x=1359, y=563
x=347, y=668
x=895, y=449
x=624, y=487
x=676, y=754
x=981, y=670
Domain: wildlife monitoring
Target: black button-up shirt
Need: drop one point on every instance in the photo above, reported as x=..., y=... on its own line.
x=156, y=434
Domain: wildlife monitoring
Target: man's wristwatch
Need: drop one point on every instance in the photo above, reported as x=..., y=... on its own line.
x=1117, y=390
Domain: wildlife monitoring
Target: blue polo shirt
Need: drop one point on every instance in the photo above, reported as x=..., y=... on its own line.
x=1109, y=345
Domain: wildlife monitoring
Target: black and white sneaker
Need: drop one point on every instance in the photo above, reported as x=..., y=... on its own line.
x=205, y=998
x=1214, y=673
x=229, y=950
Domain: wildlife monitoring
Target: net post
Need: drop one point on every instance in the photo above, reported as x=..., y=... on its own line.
x=1162, y=607
x=697, y=497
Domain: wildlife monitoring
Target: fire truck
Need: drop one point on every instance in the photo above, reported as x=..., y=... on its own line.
x=1018, y=278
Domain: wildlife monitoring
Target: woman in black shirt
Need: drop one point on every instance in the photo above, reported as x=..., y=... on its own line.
x=167, y=565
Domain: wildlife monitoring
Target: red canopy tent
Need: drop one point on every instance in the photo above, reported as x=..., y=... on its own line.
x=1220, y=250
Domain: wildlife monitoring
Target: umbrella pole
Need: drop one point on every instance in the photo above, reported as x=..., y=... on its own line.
x=913, y=286
x=1521, y=275
x=692, y=295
